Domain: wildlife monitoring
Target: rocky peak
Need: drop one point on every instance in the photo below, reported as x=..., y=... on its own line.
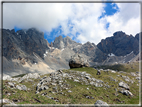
x=58, y=42
x=119, y=44
x=89, y=46
x=137, y=35
x=61, y=42
x=68, y=41
x=23, y=43
x=119, y=34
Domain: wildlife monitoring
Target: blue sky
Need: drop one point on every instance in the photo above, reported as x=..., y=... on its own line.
x=81, y=21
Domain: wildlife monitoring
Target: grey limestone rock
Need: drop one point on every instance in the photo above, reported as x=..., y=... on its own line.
x=11, y=84
x=126, y=92
x=21, y=87
x=124, y=85
x=100, y=103
x=78, y=61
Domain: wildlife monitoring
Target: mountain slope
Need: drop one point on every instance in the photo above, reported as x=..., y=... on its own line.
x=120, y=44
x=28, y=47
x=23, y=43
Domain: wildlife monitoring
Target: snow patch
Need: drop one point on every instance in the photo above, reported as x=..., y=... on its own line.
x=128, y=54
x=44, y=55
x=111, y=54
x=62, y=49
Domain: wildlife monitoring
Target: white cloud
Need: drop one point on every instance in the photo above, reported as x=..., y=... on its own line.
x=83, y=18
x=127, y=20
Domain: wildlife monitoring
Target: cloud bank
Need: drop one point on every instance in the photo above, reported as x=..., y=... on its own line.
x=81, y=21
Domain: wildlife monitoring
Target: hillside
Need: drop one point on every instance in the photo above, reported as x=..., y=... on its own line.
x=73, y=86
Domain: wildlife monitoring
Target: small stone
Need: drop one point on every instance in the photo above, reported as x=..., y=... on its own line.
x=75, y=80
x=11, y=84
x=88, y=97
x=87, y=88
x=91, y=83
x=87, y=77
x=69, y=91
x=100, y=103
x=53, y=84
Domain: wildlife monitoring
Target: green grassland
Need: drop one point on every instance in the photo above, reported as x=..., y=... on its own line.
x=127, y=67
x=79, y=90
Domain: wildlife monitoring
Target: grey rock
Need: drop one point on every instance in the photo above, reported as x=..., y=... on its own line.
x=133, y=74
x=21, y=87
x=7, y=101
x=77, y=61
x=88, y=97
x=87, y=77
x=92, y=83
x=112, y=71
x=137, y=78
x=53, y=84
x=7, y=77
x=98, y=72
x=69, y=91
x=43, y=94
x=75, y=80
x=100, y=103
x=45, y=87
x=124, y=85
x=11, y=84
x=126, y=92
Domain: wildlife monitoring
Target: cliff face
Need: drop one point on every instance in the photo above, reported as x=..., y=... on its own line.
x=120, y=44
x=91, y=50
x=23, y=43
x=61, y=42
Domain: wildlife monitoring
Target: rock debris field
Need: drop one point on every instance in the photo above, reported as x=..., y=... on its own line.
x=73, y=87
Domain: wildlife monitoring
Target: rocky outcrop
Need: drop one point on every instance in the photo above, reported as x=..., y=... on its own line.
x=120, y=44
x=7, y=101
x=91, y=50
x=61, y=42
x=78, y=61
x=126, y=92
x=57, y=81
x=124, y=85
x=23, y=43
x=64, y=83
x=26, y=77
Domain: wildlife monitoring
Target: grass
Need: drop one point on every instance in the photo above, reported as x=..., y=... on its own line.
x=127, y=67
x=21, y=75
x=79, y=91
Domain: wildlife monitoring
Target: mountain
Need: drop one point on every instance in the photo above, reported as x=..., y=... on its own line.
x=23, y=43
x=61, y=42
x=120, y=44
x=91, y=50
x=22, y=50
x=27, y=50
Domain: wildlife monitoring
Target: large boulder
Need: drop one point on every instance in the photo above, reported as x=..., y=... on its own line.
x=77, y=61
x=124, y=85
